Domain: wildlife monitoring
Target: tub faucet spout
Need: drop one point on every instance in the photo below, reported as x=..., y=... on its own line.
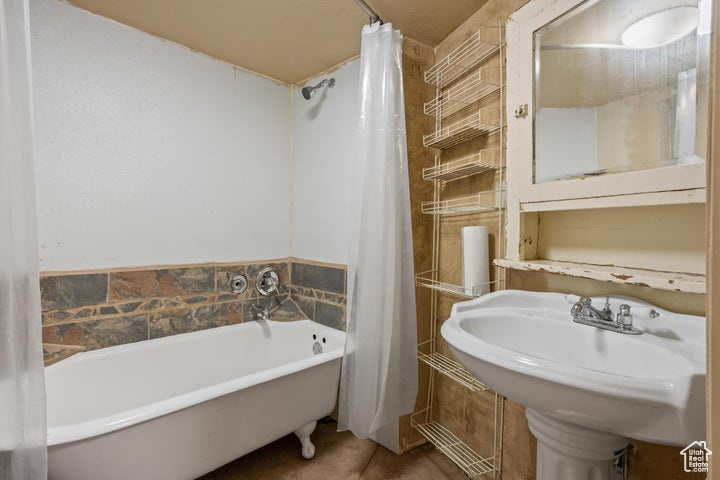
x=259, y=313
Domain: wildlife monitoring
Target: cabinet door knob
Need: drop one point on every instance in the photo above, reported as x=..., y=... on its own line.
x=521, y=111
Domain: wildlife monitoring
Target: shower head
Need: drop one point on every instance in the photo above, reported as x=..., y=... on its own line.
x=308, y=92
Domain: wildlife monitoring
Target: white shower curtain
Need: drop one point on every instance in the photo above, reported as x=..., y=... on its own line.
x=23, y=452
x=379, y=371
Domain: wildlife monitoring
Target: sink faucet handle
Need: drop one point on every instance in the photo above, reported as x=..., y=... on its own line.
x=572, y=299
x=624, y=318
x=580, y=306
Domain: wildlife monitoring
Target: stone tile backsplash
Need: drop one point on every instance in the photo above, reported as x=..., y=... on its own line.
x=86, y=311
x=167, y=282
x=73, y=290
x=318, y=277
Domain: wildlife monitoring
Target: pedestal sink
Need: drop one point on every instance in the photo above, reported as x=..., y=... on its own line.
x=586, y=390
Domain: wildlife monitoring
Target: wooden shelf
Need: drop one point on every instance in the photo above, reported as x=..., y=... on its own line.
x=696, y=195
x=673, y=281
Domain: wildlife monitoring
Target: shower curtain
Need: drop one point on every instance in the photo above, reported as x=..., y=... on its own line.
x=23, y=453
x=379, y=370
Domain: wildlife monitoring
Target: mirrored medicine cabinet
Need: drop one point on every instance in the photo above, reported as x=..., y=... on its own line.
x=607, y=124
x=608, y=97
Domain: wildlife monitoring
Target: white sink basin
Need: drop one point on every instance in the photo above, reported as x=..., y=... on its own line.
x=525, y=346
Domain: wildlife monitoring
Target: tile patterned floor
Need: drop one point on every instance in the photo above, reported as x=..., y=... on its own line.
x=338, y=456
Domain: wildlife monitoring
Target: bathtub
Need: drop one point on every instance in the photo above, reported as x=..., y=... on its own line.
x=178, y=407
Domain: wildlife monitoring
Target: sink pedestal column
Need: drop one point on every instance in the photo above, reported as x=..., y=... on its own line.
x=570, y=452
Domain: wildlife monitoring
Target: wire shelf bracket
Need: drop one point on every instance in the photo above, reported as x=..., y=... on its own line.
x=453, y=370
x=472, y=463
x=469, y=90
x=481, y=202
x=463, y=130
x=463, y=456
x=427, y=280
x=468, y=54
x=481, y=162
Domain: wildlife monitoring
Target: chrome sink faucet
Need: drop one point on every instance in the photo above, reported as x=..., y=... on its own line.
x=584, y=307
x=582, y=311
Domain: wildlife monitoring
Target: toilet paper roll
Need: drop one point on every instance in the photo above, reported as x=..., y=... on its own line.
x=476, y=268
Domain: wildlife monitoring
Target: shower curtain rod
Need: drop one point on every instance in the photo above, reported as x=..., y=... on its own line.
x=374, y=17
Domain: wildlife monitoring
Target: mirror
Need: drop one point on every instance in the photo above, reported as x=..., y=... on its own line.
x=619, y=86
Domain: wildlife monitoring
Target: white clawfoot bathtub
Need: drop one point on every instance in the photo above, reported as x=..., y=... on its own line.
x=181, y=406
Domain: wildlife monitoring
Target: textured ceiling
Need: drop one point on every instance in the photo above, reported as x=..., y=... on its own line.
x=288, y=40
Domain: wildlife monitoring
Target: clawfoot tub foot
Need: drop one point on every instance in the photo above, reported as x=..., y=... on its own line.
x=308, y=449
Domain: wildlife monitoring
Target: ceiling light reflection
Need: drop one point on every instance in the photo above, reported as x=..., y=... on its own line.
x=661, y=28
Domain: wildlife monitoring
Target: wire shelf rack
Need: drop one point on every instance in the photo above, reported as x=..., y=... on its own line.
x=427, y=280
x=479, y=85
x=481, y=162
x=480, y=202
x=464, y=82
x=453, y=370
x=473, y=464
x=484, y=121
x=468, y=54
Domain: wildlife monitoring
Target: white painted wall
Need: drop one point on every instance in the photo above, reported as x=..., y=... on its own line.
x=323, y=143
x=148, y=153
